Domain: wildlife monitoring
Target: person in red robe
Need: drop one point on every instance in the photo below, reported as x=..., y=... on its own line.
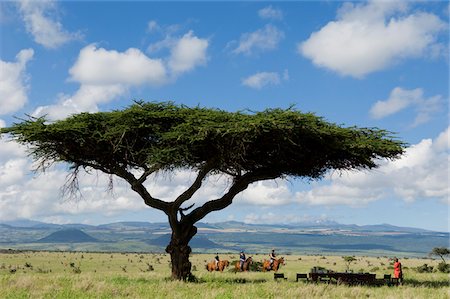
x=398, y=273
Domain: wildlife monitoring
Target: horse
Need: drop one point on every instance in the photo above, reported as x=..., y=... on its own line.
x=246, y=265
x=276, y=264
x=221, y=265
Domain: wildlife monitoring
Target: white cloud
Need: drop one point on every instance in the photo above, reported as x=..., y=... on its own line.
x=187, y=53
x=262, y=79
x=400, y=99
x=13, y=87
x=368, y=37
x=422, y=173
x=266, y=193
x=153, y=26
x=270, y=13
x=275, y=218
x=264, y=39
x=98, y=66
x=85, y=99
x=40, y=21
x=105, y=75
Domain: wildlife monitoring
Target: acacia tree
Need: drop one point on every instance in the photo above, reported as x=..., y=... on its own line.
x=441, y=252
x=147, y=138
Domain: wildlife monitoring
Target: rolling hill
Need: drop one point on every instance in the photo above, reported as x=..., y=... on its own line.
x=231, y=236
x=70, y=235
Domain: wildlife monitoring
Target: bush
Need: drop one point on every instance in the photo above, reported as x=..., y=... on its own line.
x=443, y=267
x=374, y=269
x=424, y=269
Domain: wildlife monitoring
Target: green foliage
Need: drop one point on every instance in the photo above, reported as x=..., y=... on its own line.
x=443, y=267
x=164, y=136
x=424, y=269
x=441, y=252
x=348, y=260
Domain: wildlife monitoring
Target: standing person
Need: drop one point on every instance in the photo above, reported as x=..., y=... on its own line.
x=398, y=273
x=272, y=258
x=242, y=260
x=216, y=259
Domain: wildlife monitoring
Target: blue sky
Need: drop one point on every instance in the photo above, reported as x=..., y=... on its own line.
x=371, y=64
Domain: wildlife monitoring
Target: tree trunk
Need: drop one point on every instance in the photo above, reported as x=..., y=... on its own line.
x=179, y=251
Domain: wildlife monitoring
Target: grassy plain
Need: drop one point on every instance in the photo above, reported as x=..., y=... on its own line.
x=129, y=275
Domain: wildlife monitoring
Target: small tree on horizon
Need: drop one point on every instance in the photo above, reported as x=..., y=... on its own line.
x=148, y=138
x=348, y=260
x=441, y=252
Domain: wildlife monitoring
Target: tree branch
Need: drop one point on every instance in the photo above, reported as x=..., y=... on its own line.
x=186, y=195
x=145, y=175
x=240, y=184
x=138, y=187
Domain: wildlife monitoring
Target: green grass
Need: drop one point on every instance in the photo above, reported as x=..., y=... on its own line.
x=117, y=275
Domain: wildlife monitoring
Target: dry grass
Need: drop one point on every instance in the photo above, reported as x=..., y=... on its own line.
x=52, y=275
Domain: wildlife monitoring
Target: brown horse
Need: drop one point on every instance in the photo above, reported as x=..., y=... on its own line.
x=246, y=265
x=221, y=266
x=275, y=266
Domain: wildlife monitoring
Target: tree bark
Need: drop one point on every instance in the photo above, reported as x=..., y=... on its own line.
x=179, y=251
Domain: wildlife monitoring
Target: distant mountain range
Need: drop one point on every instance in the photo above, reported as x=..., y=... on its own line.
x=325, y=237
x=320, y=224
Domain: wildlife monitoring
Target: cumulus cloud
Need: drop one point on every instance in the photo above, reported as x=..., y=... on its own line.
x=266, y=193
x=368, y=37
x=39, y=197
x=105, y=75
x=264, y=39
x=13, y=78
x=259, y=80
x=270, y=13
x=98, y=66
x=422, y=173
x=187, y=53
x=400, y=99
x=41, y=22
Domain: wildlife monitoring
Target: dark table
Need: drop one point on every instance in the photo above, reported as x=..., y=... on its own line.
x=343, y=277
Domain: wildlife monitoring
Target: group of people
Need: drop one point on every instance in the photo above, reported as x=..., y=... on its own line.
x=242, y=259
x=398, y=273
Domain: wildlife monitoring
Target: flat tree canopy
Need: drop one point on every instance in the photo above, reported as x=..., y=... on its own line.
x=248, y=146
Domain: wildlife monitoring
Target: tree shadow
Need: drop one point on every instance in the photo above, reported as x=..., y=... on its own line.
x=223, y=280
x=436, y=284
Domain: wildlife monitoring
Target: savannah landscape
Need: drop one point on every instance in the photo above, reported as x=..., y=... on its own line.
x=39, y=274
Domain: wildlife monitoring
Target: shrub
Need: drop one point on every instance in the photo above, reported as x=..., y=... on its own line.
x=374, y=269
x=424, y=269
x=443, y=267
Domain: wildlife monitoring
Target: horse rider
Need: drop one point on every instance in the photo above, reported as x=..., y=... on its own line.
x=216, y=259
x=242, y=260
x=272, y=258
